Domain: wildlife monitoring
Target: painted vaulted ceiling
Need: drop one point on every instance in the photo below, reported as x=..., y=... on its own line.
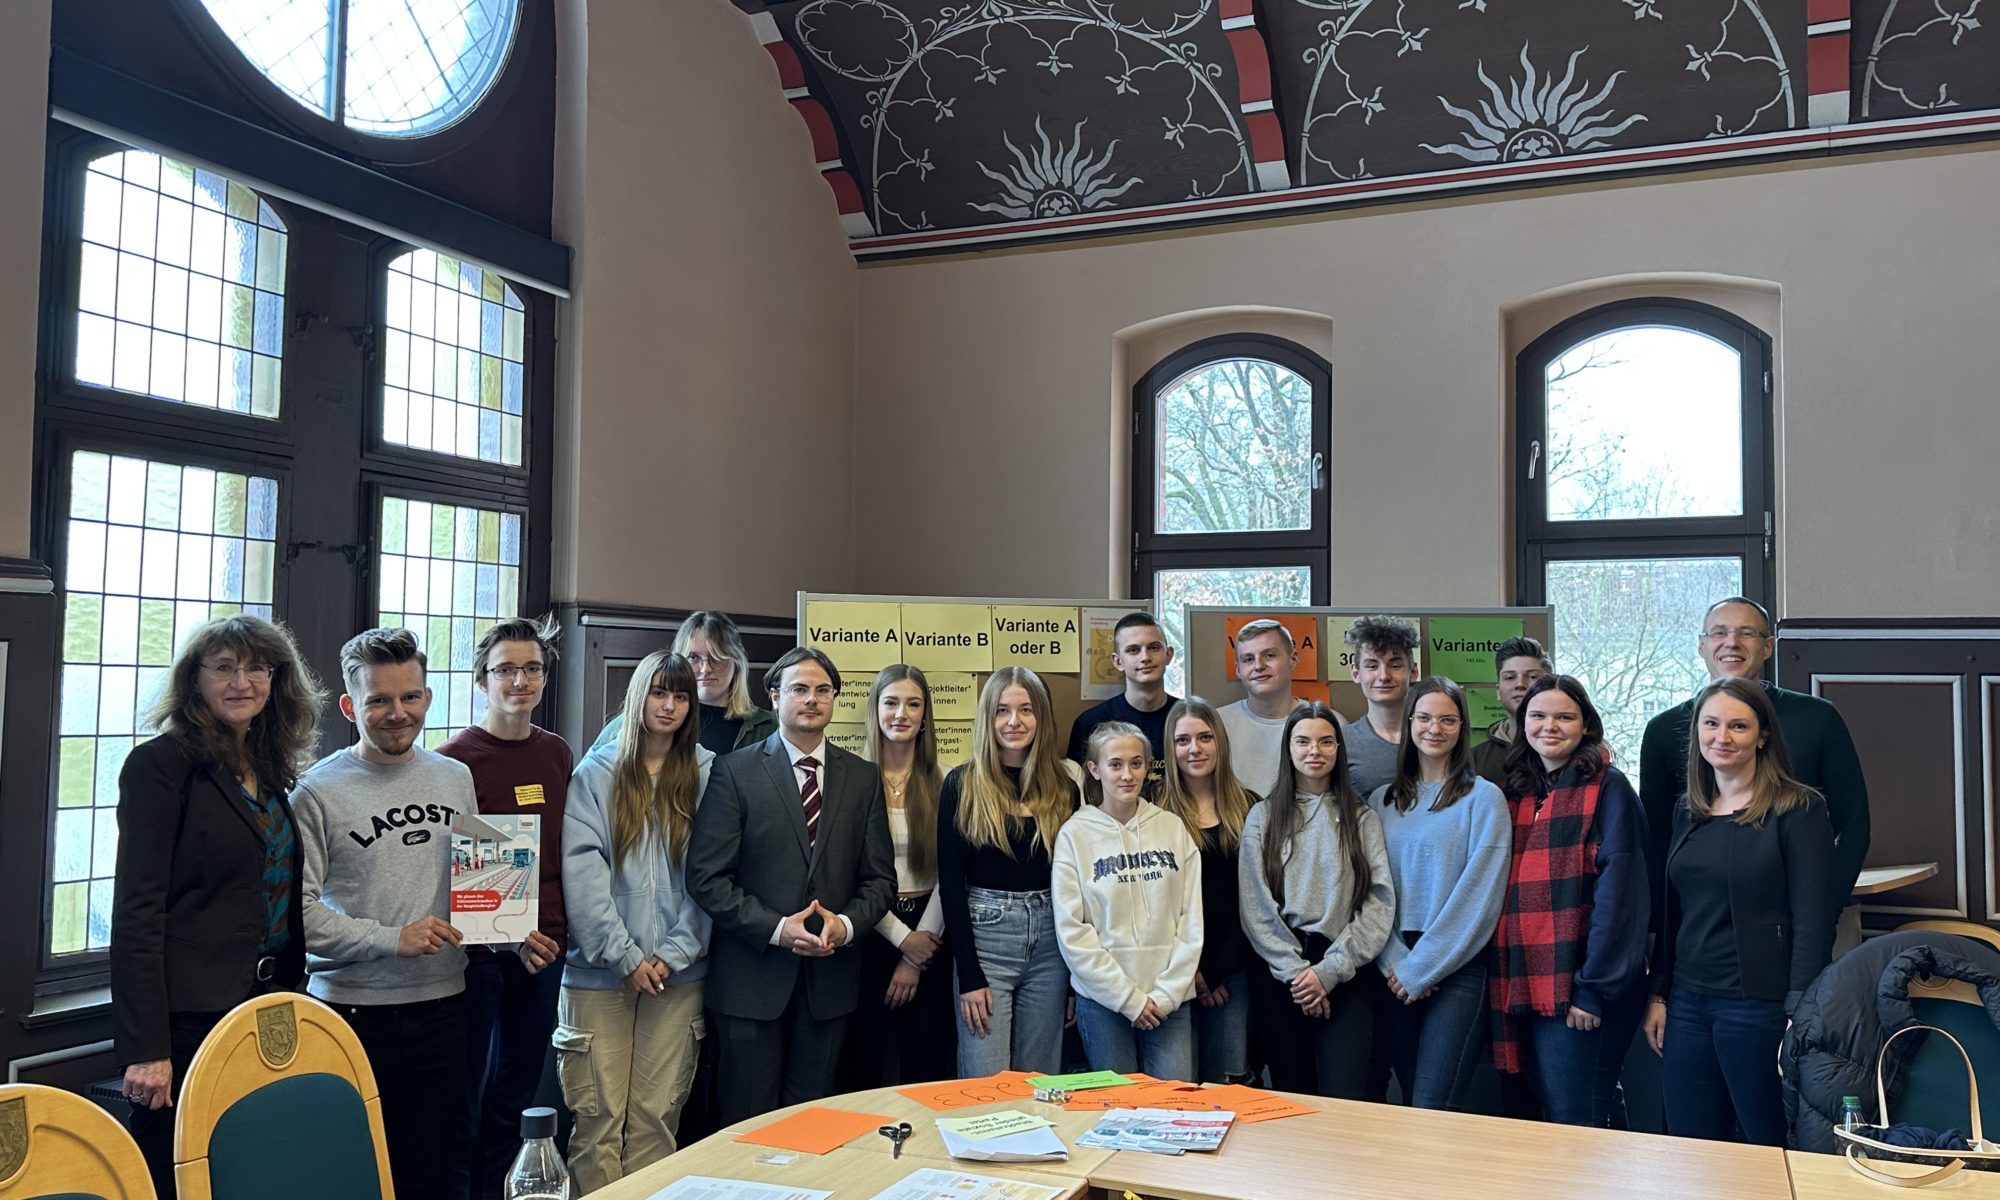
x=933, y=116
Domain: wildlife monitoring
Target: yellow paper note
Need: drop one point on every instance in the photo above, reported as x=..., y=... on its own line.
x=1046, y=639
x=954, y=741
x=992, y=1125
x=954, y=695
x=851, y=738
x=858, y=637
x=947, y=637
x=851, y=706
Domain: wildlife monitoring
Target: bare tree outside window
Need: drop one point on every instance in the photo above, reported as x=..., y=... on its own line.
x=1235, y=449
x=1176, y=591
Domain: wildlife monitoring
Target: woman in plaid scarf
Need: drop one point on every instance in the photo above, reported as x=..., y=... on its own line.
x=1572, y=935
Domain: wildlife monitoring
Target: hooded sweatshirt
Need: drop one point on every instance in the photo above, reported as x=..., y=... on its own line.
x=1127, y=901
x=619, y=917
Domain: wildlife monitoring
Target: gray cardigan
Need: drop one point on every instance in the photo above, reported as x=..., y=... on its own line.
x=1319, y=894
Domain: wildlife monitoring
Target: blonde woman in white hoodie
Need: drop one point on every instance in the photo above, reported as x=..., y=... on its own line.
x=1127, y=894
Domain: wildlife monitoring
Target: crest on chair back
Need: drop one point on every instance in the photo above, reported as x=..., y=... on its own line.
x=277, y=1035
x=13, y=1136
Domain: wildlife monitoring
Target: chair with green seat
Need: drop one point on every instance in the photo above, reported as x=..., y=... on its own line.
x=280, y=1101
x=56, y=1145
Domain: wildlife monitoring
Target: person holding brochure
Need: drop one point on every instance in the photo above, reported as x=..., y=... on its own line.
x=1572, y=936
x=1126, y=883
x=631, y=1014
x=1385, y=660
x=1318, y=903
x=791, y=857
x=1266, y=658
x=1450, y=842
x=902, y=1029
x=510, y=994
x=1140, y=652
x=205, y=913
x=375, y=824
x=730, y=720
x=998, y=817
x=1202, y=790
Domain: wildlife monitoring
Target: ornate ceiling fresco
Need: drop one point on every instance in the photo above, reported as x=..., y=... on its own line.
x=932, y=116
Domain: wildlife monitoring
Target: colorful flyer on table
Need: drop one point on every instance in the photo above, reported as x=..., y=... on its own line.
x=496, y=877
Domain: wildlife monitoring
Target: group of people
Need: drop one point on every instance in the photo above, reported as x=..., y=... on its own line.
x=736, y=914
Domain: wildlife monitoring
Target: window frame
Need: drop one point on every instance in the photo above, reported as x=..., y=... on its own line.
x=1750, y=535
x=1153, y=552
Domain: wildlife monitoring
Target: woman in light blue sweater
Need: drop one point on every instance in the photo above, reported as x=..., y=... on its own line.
x=1449, y=844
x=629, y=1027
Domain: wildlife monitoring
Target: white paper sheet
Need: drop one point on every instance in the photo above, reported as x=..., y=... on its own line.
x=707, y=1187
x=929, y=1183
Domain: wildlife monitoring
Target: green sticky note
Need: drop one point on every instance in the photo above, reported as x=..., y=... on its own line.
x=992, y=1125
x=1462, y=647
x=1484, y=707
x=1082, y=1081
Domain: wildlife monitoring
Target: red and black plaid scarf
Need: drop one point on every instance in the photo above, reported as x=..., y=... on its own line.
x=1545, y=925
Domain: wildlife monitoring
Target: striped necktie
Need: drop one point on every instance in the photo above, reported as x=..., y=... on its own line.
x=809, y=797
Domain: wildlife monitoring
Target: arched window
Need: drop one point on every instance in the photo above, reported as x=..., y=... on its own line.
x=1644, y=493
x=1229, y=496
x=391, y=68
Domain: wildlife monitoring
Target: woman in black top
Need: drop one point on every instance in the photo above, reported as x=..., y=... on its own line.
x=1201, y=789
x=998, y=816
x=205, y=911
x=1748, y=922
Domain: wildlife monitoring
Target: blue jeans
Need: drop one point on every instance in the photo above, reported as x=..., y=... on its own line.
x=1561, y=1066
x=1165, y=1052
x=1435, y=1044
x=1014, y=935
x=1222, y=1034
x=509, y=1015
x=1719, y=1068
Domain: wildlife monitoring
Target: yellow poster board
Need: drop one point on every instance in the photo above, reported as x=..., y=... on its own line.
x=1041, y=639
x=954, y=696
x=858, y=637
x=851, y=738
x=947, y=637
x=954, y=743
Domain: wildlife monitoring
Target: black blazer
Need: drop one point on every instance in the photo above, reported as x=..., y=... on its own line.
x=187, y=911
x=1779, y=903
x=749, y=865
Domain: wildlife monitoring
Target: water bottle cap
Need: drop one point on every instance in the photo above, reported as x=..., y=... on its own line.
x=1853, y=1100
x=538, y=1123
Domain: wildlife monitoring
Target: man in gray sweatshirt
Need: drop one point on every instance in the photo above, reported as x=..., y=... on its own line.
x=375, y=825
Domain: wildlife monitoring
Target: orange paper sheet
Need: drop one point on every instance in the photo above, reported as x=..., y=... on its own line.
x=815, y=1130
x=1249, y=1104
x=969, y=1093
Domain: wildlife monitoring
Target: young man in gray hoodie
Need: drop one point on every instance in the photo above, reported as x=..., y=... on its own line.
x=375, y=825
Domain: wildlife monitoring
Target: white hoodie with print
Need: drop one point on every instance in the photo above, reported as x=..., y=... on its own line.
x=1128, y=908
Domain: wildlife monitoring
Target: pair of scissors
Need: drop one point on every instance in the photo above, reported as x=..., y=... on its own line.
x=897, y=1135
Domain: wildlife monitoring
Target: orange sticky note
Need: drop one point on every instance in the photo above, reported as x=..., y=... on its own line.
x=815, y=1130
x=969, y=1093
x=1304, y=628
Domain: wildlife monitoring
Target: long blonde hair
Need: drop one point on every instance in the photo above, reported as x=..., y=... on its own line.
x=643, y=806
x=920, y=799
x=724, y=639
x=1774, y=789
x=1232, y=799
x=987, y=797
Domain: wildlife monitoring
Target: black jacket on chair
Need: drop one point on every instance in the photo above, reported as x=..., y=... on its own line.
x=187, y=912
x=750, y=864
x=1779, y=903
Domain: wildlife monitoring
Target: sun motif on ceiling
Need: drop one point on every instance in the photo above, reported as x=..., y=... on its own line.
x=1057, y=179
x=1537, y=116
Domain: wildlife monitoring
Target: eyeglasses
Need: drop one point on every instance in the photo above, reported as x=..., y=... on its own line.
x=1440, y=722
x=708, y=662
x=1743, y=633
x=508, y=671
x=256, y=672
x=799, y=691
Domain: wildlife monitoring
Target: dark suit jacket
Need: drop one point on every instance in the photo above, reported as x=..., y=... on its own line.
x=187, y=911
x=749, y=865
x=1779, y=904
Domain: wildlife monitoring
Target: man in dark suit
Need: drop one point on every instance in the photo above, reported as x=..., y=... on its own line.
x=791, y=857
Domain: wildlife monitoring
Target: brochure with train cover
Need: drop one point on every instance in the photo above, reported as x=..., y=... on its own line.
x=496, y=876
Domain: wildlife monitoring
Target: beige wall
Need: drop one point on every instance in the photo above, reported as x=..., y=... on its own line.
x=711, y=345
x=24, y=110
x=994, y=388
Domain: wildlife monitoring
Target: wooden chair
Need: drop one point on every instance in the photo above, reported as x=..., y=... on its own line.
x=1971, y=929
x=56, y=1145
x=1936, y=1086
x=280, y=1101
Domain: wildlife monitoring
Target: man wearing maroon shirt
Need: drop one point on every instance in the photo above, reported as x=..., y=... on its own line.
x=510, y=995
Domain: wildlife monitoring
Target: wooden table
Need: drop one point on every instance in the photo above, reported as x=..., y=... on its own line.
x=1874, y=880
x=1346, y=1149
x=1828, y=1177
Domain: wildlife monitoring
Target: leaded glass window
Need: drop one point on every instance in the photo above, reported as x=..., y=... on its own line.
x=452, y=359
x=446, y=572
x=180, y=287
x=152, y=549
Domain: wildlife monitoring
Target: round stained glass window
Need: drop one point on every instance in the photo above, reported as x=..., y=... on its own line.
x=391, y=68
